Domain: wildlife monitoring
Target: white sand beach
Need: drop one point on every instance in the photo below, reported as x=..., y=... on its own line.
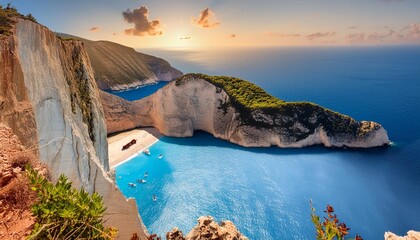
x=145, y=137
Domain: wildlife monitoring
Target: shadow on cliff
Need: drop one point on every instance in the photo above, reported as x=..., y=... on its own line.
x=205, y=139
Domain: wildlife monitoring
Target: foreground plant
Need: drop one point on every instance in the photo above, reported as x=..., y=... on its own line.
x=63, y=212
x=330, y=227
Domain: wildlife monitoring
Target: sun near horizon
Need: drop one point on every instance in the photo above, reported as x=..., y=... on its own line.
x=206, y=24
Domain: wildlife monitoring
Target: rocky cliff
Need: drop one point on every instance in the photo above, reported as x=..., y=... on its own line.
x=117, y=67
x=411, y=235
x=207, y=228
x=49, y=98
x=242, y=113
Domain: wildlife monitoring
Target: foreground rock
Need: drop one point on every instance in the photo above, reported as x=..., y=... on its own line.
x=207, y=228
x=193, y=102
x=50, y=100
x=16, y=198
x=411, y=235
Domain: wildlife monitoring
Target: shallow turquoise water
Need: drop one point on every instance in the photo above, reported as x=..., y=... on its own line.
x=266, y=191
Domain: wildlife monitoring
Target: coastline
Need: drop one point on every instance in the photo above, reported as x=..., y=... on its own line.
x=145, y=137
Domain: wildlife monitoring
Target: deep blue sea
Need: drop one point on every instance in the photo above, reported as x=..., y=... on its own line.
x=266, y=191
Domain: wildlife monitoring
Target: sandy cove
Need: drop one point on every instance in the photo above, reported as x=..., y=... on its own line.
x=145, y=137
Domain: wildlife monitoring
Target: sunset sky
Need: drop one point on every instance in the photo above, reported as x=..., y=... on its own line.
x=220, y=23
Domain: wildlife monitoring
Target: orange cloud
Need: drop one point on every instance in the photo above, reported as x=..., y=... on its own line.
x=232, y=35
x=185, y=38
x=378, y=37
x=94, y=29
x=317, y=35
x=205, y=19
x=410, y=33
x=355, y=37
x=142, y=26
x=276, y=34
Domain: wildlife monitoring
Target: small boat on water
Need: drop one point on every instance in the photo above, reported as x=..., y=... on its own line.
x=141, y=181
x=131, y=184
x=146, y=174
x=146, y=151
x=160, y=156
x=154, y=198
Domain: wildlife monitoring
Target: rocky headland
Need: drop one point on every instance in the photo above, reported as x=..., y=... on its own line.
x=117, y=67
x=240, y=112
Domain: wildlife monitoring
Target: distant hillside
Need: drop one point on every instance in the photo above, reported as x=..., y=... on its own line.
x=119, y=67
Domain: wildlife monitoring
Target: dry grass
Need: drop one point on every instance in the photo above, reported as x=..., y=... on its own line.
x=17, y=194
x=22, y=159
x=16, y=197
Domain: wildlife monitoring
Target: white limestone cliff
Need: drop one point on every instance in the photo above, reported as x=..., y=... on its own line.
x=179, y=109
x=50, y=83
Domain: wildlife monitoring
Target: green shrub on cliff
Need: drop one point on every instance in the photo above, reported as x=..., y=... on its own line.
x=7, y=19
x=243, y=92
x=63, y=212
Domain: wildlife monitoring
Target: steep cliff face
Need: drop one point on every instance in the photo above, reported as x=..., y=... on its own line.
x=193, y=103
x=15, y=107
x=117, y=67
x=49, y=99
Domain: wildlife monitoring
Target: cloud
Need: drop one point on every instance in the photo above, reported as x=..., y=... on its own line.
x=355, y=37
x=142, y=26
x=185, y=38
x=276, y=34
x=205, y=19
x=232, y=35
x=410, y=32
x=94, y=29
x=353, y=27
x=317, y=35
x=378, y=37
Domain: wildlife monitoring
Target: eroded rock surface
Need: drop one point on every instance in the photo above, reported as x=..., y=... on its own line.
x=411, y=235
x=207, y=229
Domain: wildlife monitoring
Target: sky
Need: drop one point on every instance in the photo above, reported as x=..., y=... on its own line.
x=170, y=24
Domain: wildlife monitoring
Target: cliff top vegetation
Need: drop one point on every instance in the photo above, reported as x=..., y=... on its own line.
x=8, y=16
x=243, y=92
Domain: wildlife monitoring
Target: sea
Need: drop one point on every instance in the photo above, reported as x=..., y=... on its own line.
x=266, y=192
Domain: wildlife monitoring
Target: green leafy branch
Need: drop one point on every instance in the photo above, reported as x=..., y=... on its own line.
x=63, y=212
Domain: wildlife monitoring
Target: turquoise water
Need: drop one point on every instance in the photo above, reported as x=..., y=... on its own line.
x=266, y=191
x=140, y=92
